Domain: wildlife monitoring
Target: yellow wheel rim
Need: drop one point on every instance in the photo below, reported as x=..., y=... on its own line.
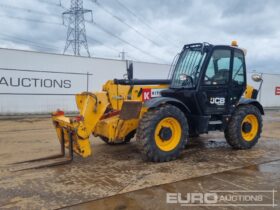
x=249, y=127
x=168, y=134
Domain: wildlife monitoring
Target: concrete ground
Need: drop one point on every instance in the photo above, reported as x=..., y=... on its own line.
x=208, y=163
x=256, y=177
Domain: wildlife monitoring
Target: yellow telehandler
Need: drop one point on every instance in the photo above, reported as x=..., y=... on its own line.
x=206, y=92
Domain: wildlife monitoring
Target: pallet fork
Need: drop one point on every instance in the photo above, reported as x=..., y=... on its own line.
x=61, y=157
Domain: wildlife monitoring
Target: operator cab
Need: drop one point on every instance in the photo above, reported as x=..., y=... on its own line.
x=209, y=80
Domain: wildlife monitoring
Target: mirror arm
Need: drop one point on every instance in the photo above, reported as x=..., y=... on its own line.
x=260, y=87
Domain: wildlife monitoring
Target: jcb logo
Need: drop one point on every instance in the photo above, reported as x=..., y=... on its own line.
x=218, y=101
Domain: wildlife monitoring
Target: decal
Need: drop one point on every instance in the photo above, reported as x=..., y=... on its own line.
x=220, y=101
x=148, y=93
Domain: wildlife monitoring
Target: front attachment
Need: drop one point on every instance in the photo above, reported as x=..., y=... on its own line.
x=53, y=160
x=72, y=127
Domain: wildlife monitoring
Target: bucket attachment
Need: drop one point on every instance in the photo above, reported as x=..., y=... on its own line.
x=58, y=159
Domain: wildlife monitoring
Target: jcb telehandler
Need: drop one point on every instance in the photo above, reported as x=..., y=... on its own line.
x=206, y=92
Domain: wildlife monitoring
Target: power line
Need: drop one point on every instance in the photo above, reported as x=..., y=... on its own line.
x=49, y=2
x=101, y=43
x=60, y=5
x=109, y=47
x=124, y=41
x=143, y=21
x=30, y=43
x=45, y=47
x=133, y=58
x=46, y=22
x=30, y=19
x=123, y=22
x=38, y=45
x=34, y=44
x=133, y=14
x=25, y=9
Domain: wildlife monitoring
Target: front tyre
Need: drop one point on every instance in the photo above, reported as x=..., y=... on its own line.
x=244, y=128
x=162, y=133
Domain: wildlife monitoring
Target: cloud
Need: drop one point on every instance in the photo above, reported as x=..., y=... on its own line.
x=169, y=24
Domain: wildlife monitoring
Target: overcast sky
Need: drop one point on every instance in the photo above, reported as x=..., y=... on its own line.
x=160, y=27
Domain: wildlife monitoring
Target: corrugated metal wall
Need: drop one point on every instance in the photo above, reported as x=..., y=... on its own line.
x=32, y=82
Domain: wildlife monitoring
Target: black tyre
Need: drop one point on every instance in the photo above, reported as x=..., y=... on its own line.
x=244, y=128
x=126, y=140
x=162, y=133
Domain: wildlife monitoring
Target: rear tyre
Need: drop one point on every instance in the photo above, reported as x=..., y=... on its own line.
x=162, y=133
x=244, y=128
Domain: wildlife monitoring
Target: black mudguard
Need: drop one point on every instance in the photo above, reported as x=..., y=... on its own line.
x=244, y=101
x=197, y=124
x=155, y=102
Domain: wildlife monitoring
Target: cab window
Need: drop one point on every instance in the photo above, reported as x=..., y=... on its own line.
x=238, y=70
x=217, y=72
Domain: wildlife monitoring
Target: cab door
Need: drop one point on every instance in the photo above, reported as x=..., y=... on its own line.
x=215, y=83
x=238, y=78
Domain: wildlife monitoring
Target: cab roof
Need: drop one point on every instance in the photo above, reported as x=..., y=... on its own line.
x=205, y=46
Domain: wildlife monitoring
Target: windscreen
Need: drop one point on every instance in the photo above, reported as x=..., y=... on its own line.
x=189, y=64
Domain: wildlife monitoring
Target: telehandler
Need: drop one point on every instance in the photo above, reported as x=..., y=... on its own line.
x=206, y=92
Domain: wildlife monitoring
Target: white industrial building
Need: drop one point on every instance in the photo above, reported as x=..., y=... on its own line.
x=32, y=82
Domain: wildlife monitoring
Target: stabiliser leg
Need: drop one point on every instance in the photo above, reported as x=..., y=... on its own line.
x=60, y=156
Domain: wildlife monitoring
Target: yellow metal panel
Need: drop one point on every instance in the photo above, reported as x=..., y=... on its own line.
x=126, y=127
x=119, y=93
x=249, y=92
x=107, y=127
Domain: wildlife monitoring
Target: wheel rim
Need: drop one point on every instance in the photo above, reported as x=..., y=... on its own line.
x=168, y=134
x=249, y=127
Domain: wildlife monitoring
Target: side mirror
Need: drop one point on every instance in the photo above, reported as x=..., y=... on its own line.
x=186, y=80
x=183, y=77
x=257, y=77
